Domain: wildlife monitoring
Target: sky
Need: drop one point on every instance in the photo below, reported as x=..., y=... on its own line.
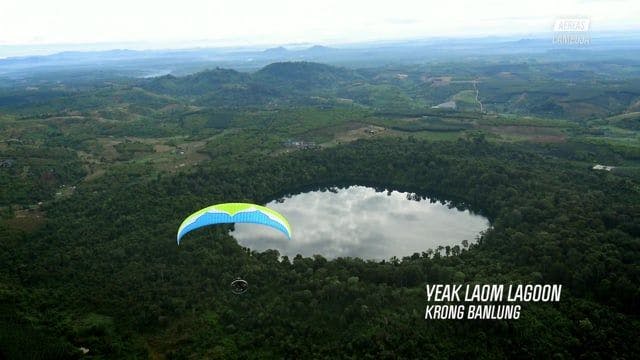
x=187, y=23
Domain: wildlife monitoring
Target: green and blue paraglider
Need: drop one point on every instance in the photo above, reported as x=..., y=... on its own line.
x=234, y=213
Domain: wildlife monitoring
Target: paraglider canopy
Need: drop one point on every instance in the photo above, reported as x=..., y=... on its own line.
x=228, y=213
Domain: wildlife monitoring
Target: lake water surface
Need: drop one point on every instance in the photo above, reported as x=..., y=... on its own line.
x=359, y=222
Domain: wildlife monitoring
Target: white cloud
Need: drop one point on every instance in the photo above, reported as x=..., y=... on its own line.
x=244, y=22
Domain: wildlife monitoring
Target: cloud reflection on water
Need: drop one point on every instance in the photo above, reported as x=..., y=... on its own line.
x=360, y=222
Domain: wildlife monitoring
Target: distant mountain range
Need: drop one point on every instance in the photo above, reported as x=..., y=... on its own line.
x=146, y=63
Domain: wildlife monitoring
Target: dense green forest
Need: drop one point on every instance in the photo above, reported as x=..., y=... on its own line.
x=96, y=179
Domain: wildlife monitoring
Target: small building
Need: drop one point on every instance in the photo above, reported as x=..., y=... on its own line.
x=299, y=144
x=603, y=167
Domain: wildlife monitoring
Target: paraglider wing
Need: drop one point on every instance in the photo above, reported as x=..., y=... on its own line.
x=234, y=213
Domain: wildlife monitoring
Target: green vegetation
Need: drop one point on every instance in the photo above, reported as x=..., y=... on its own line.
x=95, y=180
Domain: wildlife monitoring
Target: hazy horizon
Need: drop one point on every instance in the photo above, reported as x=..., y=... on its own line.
x=37, y=28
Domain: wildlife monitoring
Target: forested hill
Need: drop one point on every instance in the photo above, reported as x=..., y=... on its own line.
x=587, y=91
x=197, y=84
x=305, y=75
x=280, y=81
